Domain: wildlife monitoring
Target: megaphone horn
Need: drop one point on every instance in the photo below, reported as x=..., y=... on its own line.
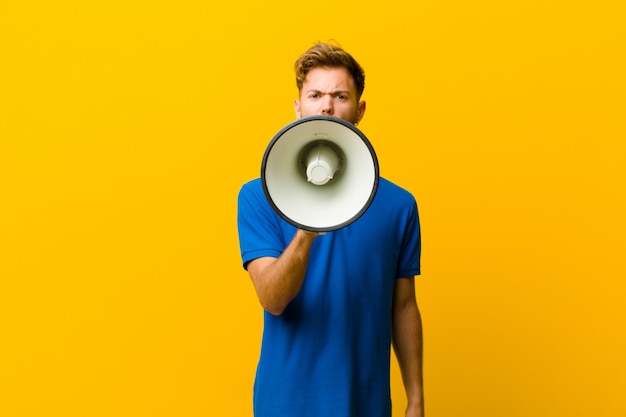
x=320, y=173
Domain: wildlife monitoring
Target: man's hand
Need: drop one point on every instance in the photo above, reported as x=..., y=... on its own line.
x=415, y=411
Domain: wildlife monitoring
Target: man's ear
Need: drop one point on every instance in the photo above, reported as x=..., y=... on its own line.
x=296, y=107
x=360, y=111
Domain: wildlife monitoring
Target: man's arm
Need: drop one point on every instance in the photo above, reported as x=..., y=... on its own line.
x=407, y=343
x=278, y=280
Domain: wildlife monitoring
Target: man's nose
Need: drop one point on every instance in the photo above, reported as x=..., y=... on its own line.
x=327, y=106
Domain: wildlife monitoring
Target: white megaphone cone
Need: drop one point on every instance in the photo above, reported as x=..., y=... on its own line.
x=320, y=173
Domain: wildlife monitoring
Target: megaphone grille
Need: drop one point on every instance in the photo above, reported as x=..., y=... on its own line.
x=320, y=207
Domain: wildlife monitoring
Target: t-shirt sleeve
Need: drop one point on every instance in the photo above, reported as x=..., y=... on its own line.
x=259, y=227
x=409, y=261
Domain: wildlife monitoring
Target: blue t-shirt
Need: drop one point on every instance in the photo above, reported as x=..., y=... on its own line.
x=328, y=354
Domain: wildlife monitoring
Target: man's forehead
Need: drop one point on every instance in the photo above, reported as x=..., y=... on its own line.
x=329, y=79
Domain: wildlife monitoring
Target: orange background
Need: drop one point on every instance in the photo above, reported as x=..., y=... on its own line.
x=127, y=128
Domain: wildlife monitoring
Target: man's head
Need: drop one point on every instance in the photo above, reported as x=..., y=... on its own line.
x=330, y=82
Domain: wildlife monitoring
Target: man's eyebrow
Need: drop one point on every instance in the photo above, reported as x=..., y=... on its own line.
x=315, y=90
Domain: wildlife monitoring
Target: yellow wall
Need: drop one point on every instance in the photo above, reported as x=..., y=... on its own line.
x=127, y=127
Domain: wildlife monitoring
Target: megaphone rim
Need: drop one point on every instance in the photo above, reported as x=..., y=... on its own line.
x=344, y=123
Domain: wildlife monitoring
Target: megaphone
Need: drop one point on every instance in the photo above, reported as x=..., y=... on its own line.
x=320, y=173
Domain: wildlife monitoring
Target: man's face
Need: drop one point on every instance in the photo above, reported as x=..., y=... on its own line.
x=329, y=92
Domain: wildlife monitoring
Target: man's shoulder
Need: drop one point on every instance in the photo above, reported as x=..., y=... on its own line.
x=251, y=187
x=252, y=184
x=390, y=189
x=251, y=194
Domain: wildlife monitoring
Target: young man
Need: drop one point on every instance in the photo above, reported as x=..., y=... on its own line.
x=334, y=303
